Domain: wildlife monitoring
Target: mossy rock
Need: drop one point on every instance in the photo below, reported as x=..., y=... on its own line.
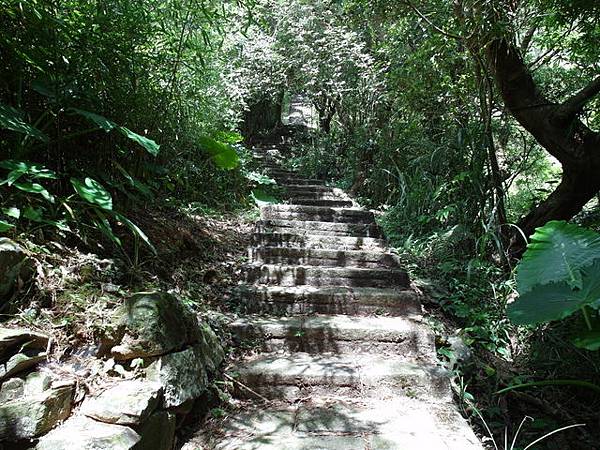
x=153, y=324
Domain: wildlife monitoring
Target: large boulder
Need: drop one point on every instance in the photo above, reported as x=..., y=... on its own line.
x=14, y=265
x=126, y=403
x=33, y=406
x=20, y=349
x=181, y=374
x=153, y=324
x=83, y=433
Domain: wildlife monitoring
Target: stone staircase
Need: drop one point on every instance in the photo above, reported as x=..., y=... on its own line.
x=346, y=361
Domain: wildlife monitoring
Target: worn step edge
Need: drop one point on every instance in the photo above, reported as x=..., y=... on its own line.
x=317, y=213
x=338, y=333
x=410, y=424
x=323, y=257
x=329, y=300
x=315, y=227
x=314, y=241
x=325, y=276
x=333, y=203
x=357, y=371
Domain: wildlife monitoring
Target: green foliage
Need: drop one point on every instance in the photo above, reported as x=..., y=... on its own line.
x=222, y=154
x=559, y=275
x=12, y=119
x=93, y=192
x=558, y=251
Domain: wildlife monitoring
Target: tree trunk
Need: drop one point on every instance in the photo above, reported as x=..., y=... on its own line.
x=326, y=108
x=557, y=128
x=567, y=200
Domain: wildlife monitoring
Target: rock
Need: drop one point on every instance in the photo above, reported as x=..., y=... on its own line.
x=211, y=348
x=154, y=323
x=14, y=265
x=38, y=382
x=20, y=349
x=13, y=338
x=11, y=390
x=26, y=417
x=158, y=432
x=126, y=403
x=182, y=375
x=18, y=363
x=83, y=433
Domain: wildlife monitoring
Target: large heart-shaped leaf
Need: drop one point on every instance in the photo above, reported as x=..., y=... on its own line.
x=12, y=119
x=151, y=147
x=93, y=192
x=223, y=155
x=558, y=251
x=556, y=300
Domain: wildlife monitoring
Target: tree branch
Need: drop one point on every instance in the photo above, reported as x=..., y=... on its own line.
x=430, y=23
x=571, y=107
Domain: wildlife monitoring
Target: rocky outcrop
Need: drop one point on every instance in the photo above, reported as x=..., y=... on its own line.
x=179, y=353
x=32, y=406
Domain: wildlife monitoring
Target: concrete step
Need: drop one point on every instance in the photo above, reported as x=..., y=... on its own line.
x=322, y=228
x=330, y=203
x=295, y=180
x=329, y=300
x=338, y=334
x=280, y=171
x=308, y=188
x=313, y=241
x=323, y=257
x=331, y=194
x=282, y=376
x=280, y=275
x=396, y=424
x=317, y=213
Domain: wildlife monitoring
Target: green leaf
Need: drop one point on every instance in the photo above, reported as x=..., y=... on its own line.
x=13, y=212
x=259, y=178
x=20, y=168
x=136, y=231
x=12, y=119
x=556, y=300
x=35, y=215
x=5, y=226
x=98, y=120
x=152, y=147
x=589, y=340
x=229, y=137
x=558, y=251
x=93, y=192
x=35, y=188
x=262, y=198
x=223, y=155
x=104, y=226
